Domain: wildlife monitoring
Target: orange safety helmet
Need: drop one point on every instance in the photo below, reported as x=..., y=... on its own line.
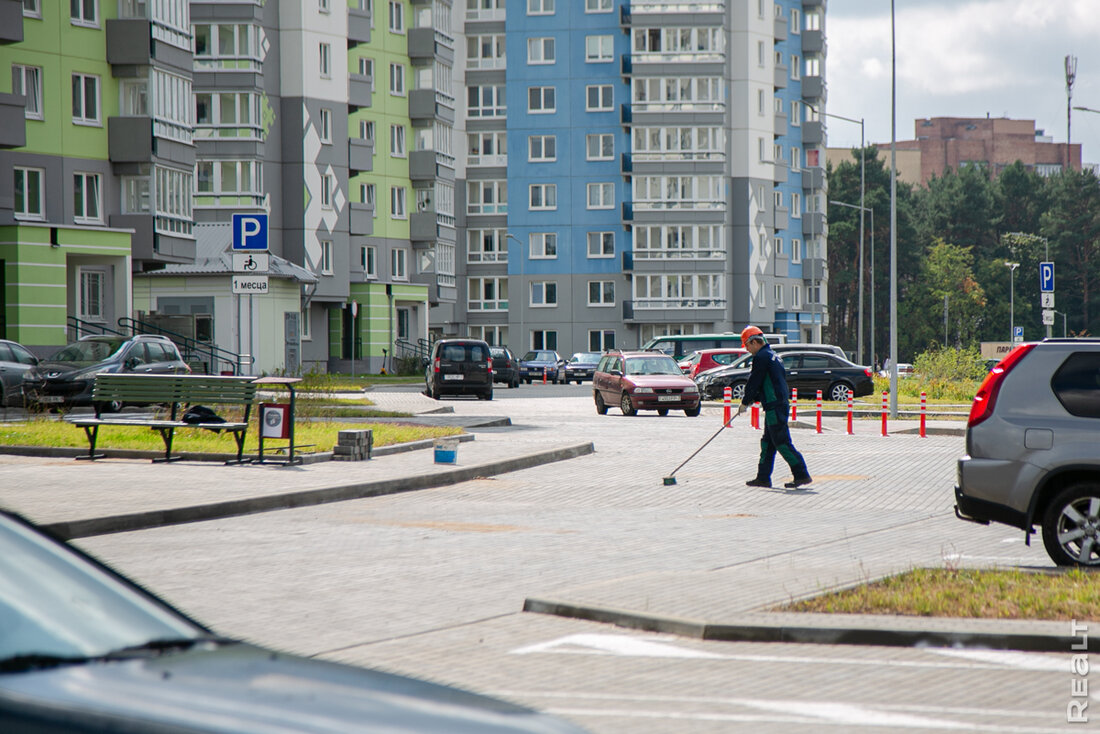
x=750, y=332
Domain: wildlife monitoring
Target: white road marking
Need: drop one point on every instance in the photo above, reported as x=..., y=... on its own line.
x=616, y=645
x=1010, y=659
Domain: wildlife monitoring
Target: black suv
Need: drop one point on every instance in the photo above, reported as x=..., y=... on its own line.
x=66, y=378
x=1031, y=448
x=460, y=367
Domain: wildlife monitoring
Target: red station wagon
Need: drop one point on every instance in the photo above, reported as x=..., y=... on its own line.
x=706, y=359
x=643, y=381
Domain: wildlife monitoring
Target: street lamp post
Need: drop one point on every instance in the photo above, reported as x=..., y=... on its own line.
x=519, y=261
x=1063, y=315
x=1011, y=300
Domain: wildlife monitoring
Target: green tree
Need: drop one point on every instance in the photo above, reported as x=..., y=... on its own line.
x=949, y=274
x=1072, y=225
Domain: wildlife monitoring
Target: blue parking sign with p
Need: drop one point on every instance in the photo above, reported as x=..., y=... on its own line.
x=1046, y=277
x=250, y=232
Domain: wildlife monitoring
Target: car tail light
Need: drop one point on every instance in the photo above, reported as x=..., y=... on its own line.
x=489, y=366
x=435, y=365
x=867, y=371
x=986, y=398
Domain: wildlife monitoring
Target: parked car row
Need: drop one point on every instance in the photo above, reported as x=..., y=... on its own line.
x=807, y=372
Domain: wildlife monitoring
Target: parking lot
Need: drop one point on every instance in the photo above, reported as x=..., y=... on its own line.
x=432, y=583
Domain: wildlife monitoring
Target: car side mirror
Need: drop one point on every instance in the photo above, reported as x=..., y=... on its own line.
x=131, y=363
x=616, y=373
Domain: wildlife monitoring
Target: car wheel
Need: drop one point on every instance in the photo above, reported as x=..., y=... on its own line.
x=737, y=390
x=626, y=406
x=514, y=384
x=487, y=395
x=1071, y=526
x=601, y=406
x=692, y=412
x=662, y=411
x=528, y=380
x=839, y=392
x=432, y=393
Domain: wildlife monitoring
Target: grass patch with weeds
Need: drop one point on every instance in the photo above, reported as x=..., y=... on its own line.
x=973, y=593
x=320, y=435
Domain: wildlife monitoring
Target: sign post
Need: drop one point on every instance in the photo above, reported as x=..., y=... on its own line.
x=1046, y=294
x=249, y=238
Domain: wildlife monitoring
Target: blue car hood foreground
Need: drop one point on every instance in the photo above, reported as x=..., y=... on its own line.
x=241, y=688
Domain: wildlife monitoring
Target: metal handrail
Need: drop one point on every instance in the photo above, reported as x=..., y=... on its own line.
x=190, y=347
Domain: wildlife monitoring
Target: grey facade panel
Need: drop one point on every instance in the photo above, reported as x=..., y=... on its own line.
x=813, y=223
x=129, y=41
x=231, y=148
x=673, y=167
x=813, y=87
x=361, y=154
x=424, y=106
x=813, y=178
x=672, y=20
x=779, y=31
x=780, y=122
x=13, y=127
x=359, y=22
x=360, y=90
x=11, y=21
x=130, y=139
x=813, y=133
x=813, y=42
x=242, y=80
x=214, y=12
x=423, y=46
x=813, y=268
x=782, y=218
x=782, y=71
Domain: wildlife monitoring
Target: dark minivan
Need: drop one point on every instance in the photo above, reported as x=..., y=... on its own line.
x=460, y=367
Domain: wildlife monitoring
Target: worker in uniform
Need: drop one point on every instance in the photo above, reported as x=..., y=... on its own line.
x=768, y=385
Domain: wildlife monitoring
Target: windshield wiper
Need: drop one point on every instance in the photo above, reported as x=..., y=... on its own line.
x=168, y=644
x=40, y=661
x=36, y=661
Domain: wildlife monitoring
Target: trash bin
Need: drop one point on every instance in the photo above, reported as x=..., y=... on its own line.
x=446, y=450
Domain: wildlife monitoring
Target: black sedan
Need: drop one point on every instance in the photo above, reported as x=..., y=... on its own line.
x=83, y=649
x=807, y=372
x=581, y=366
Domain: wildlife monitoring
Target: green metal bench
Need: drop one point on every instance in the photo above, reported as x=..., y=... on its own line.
x=173, y=391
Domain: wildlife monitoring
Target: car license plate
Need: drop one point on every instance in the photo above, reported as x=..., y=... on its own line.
x=453, y=377
x=667, y=398
x=51, y=399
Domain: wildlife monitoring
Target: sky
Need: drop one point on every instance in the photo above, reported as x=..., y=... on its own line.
x=963, y=58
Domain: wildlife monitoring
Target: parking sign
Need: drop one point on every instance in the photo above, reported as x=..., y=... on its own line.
x=1046, y=277
x=250, y=232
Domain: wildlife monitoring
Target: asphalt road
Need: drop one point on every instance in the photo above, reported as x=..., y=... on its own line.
x=431, y=583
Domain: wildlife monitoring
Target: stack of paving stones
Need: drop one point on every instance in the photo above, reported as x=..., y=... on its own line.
x=353, y=445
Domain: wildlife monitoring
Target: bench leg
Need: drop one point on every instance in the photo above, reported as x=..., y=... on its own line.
x=92, y=432
x=166, y=435
x=238, y=436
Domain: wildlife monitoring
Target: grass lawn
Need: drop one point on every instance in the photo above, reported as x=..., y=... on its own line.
x=322, y=434
x=975, y=593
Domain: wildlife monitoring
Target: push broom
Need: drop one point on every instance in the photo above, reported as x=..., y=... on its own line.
x=671, y=478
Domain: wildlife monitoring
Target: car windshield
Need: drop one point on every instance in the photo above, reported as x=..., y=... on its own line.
x=585, y=357
x=655, y=365
x=90, y=351
x=539, y=357
x=53, y=603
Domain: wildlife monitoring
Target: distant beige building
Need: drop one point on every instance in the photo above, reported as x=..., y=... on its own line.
x=944, y=143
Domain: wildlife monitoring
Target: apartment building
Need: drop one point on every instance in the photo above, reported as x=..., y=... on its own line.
x=641, y=168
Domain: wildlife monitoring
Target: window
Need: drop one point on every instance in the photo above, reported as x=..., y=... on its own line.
x=366, y=66
x=398, y=208
x=795, y=165
x=84, y=12
x=779, y=246
x=91, y=294
x=796, y=296
x=601, y=293
x=761, y=151
x=796, y=205
x=796, y=21
x=397, y=80
x=813, y=66
x=135, y=194
x=487, y=101
x=601, y=195
x=86, y=197
x=27, y=81
x=544, y=293
x=304, y=322
x=228, y=114
x=543, y=245
x=778, y=197
x=397, y=141
x=32, y=9
x=540, y=50
x=796, y=67
x=326, y=257
x=813, y=21
x=679, y=241
x=541, y=100
x=599, y=97
x=540, y=7
x=397, y=17
x=29, y=193
x=601, y=340
x=368, y=258
x=544, y=339
x=85, y=99
x=542, y=148
x=487, y=197
x=678, y=93
x=325, y=60
x=327, y=185
x=326, y=126
x=796, y=251
x=323, y=6
x=597, y=6
x=599, y=147
x=399, y=264
x=485, y=52
x=366, y=130
x=601, y=244
x=796, y=113
x=368, y=196
x=760, y=54
x=543, y=197
x=487, y=148
x=486, y=245
x=598, y=49
x=761, y=106
x=487, y=294
x=172, y=192
x=778, y=295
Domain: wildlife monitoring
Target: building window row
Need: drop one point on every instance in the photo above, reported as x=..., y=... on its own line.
x=487, y=148
x=691, y=290
x=679, y=192
x=229, y=183
x=235, y=46
x=679, y=241
x=665, y=44
x=486, y=245
x=487, y=294
x=228, y=115
x=679, y=143
x=677, y=93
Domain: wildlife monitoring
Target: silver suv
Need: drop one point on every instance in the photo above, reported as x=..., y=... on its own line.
x=1032, y=453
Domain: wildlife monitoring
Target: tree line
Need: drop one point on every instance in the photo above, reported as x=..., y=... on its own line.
x=954, y=238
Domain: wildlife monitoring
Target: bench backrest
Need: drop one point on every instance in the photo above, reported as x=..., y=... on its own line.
x=132, y=388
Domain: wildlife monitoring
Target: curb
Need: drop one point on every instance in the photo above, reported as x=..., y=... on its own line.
x=68, y=530
x=840, y=629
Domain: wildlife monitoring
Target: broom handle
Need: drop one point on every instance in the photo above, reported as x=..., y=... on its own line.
x=724, y=426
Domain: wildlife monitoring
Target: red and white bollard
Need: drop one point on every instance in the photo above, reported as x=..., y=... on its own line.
x=756, y=415
x=922, y=409
x=884, y=394
x=794, y=403
x=850, y=432
x=543, y=375
x=727, y=405
x=819, y=411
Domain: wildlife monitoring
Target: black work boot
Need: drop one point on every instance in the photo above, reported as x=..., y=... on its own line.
x=758, y=482
x=798, y=482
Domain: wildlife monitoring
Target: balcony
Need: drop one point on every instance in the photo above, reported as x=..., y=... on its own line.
x=360, y=154
x=13, y=129
x=813, y=223
x=813, y=132
x=11, y=21
x=425, y=165
x=813, y=178
x=780, y=127
x=813, y=42
x=779, y=32
x=672, y=310
x=362, y=218
x=428, y=225
x=359, y=25
x=813, y=87
x=427, y=104
x=425, y=44
x=128, y=41
x=152, y=246
x=782, y=218
x=360, y=90
x=782, y=71
x=130, y=139
x=779, y=171
x=814, y=269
